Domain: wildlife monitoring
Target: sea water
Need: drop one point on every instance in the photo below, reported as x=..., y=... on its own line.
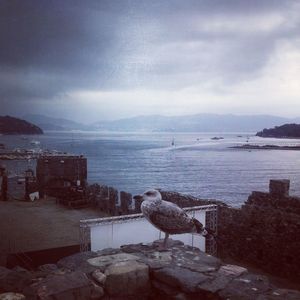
x=195, y=164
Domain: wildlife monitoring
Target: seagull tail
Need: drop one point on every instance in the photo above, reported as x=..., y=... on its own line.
x=206, y=232
x=199, y=226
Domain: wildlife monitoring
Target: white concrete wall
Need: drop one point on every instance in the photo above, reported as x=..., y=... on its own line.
x=114, y=235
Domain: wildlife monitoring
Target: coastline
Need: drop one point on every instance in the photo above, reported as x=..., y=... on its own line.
x=265, y=147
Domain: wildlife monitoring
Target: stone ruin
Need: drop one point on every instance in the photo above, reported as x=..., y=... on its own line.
x=108, y=200
x=264, y=232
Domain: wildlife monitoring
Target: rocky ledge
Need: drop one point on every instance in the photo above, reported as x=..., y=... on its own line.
x=139, y=272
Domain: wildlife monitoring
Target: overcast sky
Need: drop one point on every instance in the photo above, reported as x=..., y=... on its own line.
x=95, y=60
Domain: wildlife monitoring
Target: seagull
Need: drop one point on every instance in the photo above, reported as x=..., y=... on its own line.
x=168, y=217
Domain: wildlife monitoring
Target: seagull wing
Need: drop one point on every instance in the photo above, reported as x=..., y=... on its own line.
x=170, y=218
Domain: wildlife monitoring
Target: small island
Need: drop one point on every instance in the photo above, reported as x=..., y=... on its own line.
x=11, y=125
x=284, y=131
x=265, y=147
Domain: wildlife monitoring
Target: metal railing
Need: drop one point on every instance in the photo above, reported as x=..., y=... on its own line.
x=86, y=225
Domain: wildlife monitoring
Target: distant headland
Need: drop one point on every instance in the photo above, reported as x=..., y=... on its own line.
x=11, y=125
x=265, y=147
x=284, y=131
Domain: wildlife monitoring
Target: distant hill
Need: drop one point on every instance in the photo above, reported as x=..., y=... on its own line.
x=194, y=123
x=58, y=124
x=158, y=123
x=11, y=125
x=284, y=131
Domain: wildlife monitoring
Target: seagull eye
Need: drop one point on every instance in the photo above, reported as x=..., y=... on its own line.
x=148, y=193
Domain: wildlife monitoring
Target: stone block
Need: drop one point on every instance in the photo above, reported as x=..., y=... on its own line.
x=12, y=296
x=283, y=294
x=71, y=262
x=70, y=286
x=184, y=279
x=126, y=199
x=214, y=285
x=164, y=289
x=97, y=292
x=104, y=261
x=99, y=277
x=127, y=278
x=14, y=280
x=279, y=188
x=232, y=270
x=247, y=287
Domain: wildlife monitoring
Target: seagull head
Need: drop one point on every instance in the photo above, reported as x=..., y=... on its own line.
x=152, y=195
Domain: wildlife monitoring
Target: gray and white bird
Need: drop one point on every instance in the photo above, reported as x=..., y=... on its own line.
x=168, y=217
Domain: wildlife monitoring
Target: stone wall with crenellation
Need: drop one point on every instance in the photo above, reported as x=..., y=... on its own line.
x=264, y=232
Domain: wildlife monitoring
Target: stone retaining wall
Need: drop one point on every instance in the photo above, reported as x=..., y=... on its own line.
x=265, y=232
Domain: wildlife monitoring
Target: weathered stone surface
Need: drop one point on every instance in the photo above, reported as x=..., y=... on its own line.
x=279, y=188
x=12, y=296
x=99, y=277
x=180, y=296
x=157, y=260
x=108, y=251
x=78, y=262
x=127, y=278
x=247, y=286
x=213, y=285
x=184, y=279
x=71, y=286
x=164, y=289
x=265, y=232
x=97, y=292
x=232, y=270
x=196, y=260
x=170, y=244
x=283, y=294
x=135, y=248
x=181, y=272
x=48, y=268
x=4, y=272
x=104, y=261
x=126, y=202
x=13, y=280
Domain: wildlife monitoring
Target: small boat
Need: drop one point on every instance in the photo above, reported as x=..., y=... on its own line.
x=173, y=142
x=35, y=143
x=216, y=138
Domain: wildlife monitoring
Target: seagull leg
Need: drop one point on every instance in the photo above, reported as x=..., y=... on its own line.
x=165, y=240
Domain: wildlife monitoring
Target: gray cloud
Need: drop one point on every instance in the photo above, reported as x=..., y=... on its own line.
x=50, y=49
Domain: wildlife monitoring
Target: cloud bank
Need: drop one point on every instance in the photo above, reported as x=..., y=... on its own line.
x=93, y=60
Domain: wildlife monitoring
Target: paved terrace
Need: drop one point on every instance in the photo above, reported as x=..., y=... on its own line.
x=38, y=225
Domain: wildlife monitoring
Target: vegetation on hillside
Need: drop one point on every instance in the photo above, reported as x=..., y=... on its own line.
x=10, y=125
x=284, y=131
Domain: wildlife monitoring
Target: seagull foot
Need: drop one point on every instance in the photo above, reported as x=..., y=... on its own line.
x=161, y=245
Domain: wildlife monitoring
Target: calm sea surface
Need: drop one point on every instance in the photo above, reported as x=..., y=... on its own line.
x=196, y=165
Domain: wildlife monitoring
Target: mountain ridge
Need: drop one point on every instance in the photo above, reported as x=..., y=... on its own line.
x=196, y=122
x=158, y=123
